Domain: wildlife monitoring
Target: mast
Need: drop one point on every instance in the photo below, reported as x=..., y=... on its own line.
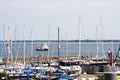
x=4, y=38
x=79, y=34
x=101, y=25
x=24, y=45
x=8, y=45
x=79, y=45
x=4, y=42
x=5, y=49
x=58, y=45
x=97, y=42
x=49, y=60
x=32, y=46
x=66, y=47
x=15, y=44
x=31, y=38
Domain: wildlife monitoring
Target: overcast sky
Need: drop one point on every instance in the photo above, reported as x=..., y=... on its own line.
x=34, y=16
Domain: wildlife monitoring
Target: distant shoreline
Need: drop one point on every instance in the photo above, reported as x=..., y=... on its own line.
x=62, y=40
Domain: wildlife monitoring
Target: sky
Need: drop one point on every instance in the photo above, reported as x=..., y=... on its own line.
x=40, y=19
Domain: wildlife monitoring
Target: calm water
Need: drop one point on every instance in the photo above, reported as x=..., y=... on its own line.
x=66, y=49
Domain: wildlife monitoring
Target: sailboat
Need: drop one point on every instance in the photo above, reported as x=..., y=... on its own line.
x=66, y=69
x=42, y=68
x=101, y=62
x=57, y=70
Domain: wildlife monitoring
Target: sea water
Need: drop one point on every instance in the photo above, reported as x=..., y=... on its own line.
x=28, y=48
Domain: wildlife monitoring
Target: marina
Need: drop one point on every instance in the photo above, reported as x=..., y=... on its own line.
x=42, y=67
x=58, y=60
x=63, y=64
x=59, y=39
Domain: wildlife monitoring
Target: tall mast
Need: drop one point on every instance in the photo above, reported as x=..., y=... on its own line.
x=49, y=42
x=24, y=44
x=97, y=42
x=79, y=34
x=58, y=45
x=15, y=44
x=4, y=37
x=31, y=37
x=101, y=25
x=66, y=47
x=8, y=43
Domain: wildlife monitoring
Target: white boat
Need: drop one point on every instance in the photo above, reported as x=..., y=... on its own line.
x=42, y=47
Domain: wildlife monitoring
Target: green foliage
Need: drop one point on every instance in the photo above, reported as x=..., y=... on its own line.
x=100, y=78
x=4, y=75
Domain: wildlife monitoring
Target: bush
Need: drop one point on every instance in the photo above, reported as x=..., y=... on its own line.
x=4, y=75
